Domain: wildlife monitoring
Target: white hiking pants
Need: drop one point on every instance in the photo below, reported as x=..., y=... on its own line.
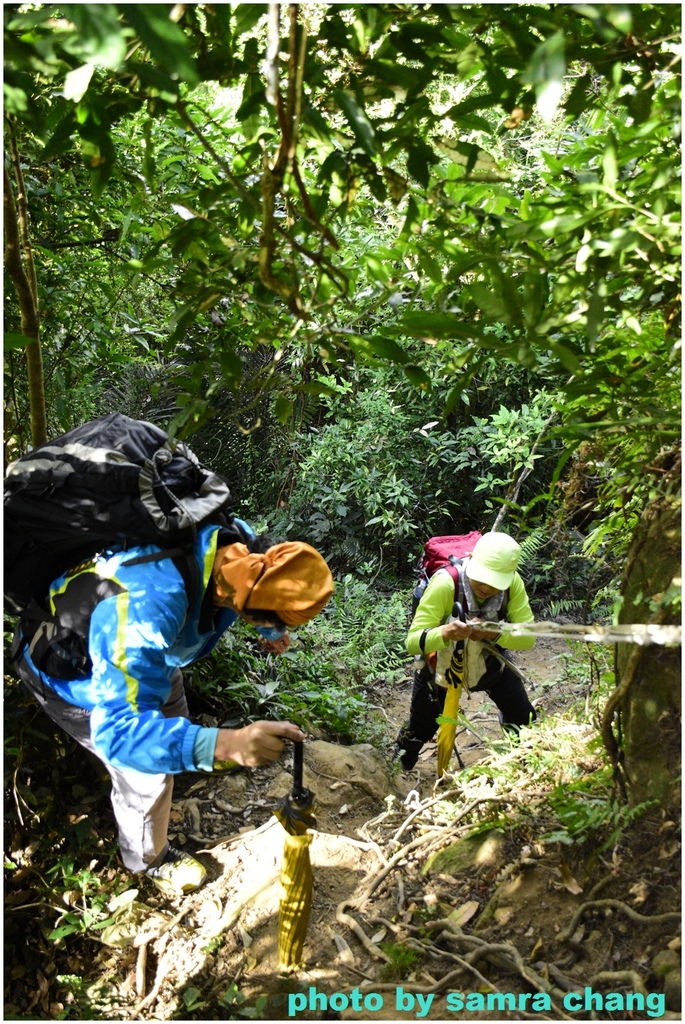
x=141, y=802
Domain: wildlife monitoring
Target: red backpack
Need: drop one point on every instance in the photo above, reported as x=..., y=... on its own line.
x=446, y=553
x=443, y=552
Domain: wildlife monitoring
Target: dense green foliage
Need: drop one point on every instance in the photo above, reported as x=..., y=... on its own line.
x=407, y=154
x=395, y=270
x=478, y=204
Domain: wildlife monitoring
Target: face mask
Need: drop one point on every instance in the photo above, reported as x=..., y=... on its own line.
x=271, y=632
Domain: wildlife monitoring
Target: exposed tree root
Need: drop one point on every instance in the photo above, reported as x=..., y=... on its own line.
x=567, y=933
x=356, y=929
x=630, y=978
x=163, y=967
x=448, y=943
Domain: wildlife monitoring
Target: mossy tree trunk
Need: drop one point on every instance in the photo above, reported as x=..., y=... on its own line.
x=641, y=724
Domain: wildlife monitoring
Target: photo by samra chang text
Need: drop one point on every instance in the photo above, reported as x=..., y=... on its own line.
x=418, y=1004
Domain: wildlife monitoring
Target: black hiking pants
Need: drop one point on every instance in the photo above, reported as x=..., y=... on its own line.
x=500, y=683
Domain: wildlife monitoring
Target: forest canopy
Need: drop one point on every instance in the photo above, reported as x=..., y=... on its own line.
x=431, y=188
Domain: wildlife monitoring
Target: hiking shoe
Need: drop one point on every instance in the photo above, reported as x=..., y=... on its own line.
x=406, y=749
x=178, y=874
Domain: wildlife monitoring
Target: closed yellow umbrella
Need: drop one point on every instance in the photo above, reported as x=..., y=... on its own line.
x=454, y=677
x=296, y=816
x=448, y=726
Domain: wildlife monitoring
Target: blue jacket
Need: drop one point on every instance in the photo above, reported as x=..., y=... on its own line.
x=138, y=637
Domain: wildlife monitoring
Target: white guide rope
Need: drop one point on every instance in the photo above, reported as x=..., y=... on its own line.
x=633, y=633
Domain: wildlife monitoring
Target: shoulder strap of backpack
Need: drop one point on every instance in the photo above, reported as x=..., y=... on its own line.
x=452, y=567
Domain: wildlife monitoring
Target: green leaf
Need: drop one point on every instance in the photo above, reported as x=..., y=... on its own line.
x=157, y=82
x=430, y=266
x=60, y=139
x=418, y=377
x=568, y=359
x=467, y=155
x=100, y=38
x=247, y=16
x=98, y=155
x=77, y=81
x=375, y=347
x=358, y=121
x=148, y=154
x=190, y=997
x=546, y=72
x=610, y=164
x=420, y=157
x=64, y=929
x=283, y=409
x=412, y=220
x=437, y=325
x=317, y=389
x=166, y=42
x=16, y=100
x=595, y=315
x=15, y=339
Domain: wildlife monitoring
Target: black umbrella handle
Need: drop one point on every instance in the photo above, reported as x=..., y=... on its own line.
x=298, y=765
x=458, y=612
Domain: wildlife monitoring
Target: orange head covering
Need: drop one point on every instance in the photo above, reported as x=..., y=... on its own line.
x=290, y=579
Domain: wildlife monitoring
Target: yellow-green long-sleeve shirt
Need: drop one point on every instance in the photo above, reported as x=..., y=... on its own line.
x=435, y=608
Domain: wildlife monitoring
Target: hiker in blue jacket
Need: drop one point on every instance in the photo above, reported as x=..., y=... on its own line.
x=127, y=704
x=437, y=636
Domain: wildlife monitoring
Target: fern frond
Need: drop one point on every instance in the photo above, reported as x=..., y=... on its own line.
x=532, y=543
x=564, y=606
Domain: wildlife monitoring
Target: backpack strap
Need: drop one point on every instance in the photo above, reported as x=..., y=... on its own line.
x=60, y=648
x=453, y=567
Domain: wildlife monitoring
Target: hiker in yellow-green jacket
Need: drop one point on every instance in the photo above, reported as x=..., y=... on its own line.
x=489, y=589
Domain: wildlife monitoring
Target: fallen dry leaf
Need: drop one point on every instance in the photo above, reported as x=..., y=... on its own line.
x=343, y=947
x=639, y=892
x=465, y=912
x=669, y=849
x=568, y=881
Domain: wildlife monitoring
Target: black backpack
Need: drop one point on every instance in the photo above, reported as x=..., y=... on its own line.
x=107, y=485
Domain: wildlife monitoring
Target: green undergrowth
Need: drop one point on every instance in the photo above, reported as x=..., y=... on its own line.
x=556, y=784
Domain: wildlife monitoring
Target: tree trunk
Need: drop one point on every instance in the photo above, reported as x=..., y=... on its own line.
x=646, y=705
x=21, y=270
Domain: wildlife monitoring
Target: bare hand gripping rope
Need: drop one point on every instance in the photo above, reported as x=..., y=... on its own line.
x=633, y=633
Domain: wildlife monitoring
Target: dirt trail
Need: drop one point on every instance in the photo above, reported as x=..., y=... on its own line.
x=515, y=900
